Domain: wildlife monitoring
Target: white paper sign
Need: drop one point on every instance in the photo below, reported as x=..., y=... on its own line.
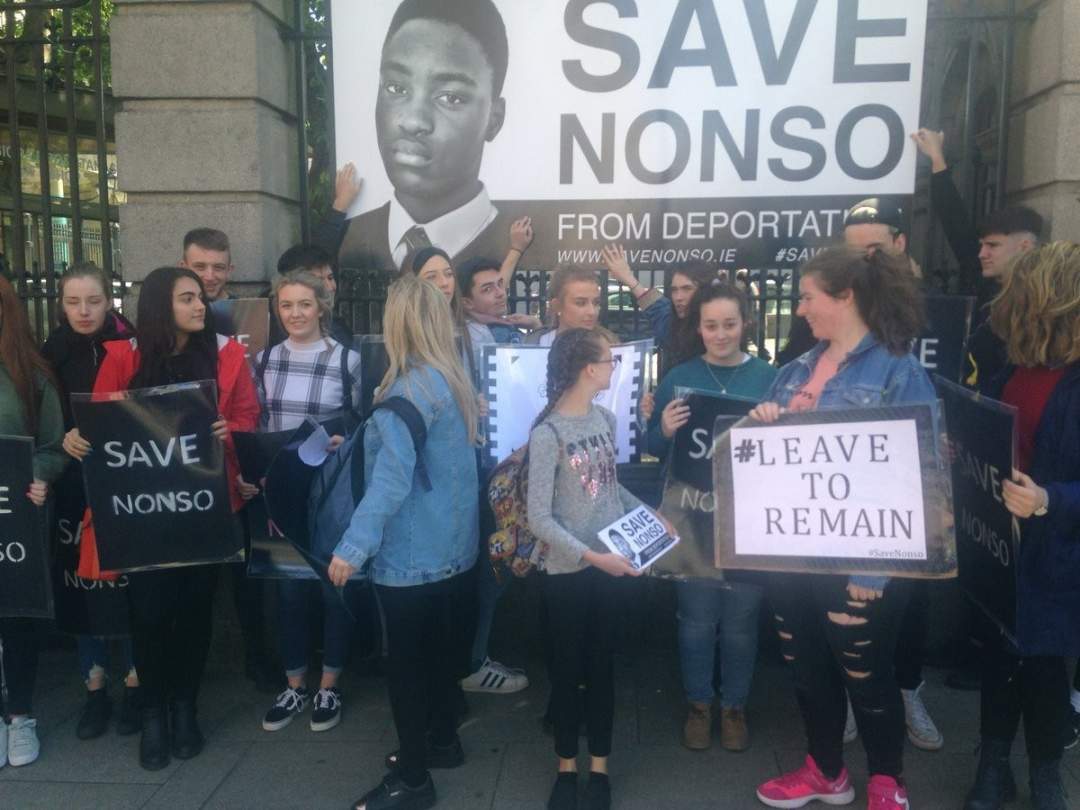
x=515, y=384
x=639, y=536
x=844, y=490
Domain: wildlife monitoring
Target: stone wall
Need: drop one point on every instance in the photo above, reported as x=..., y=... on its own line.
x=205, y=130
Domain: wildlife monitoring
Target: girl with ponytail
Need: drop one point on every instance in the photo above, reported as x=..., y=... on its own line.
x=574, y=493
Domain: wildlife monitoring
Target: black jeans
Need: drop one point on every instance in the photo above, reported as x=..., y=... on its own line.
x=171, y=613
x=583, y=611
x=827, y=656
x=1035, y=688
x=911, y=642
x=21, y=639
x=427, y=645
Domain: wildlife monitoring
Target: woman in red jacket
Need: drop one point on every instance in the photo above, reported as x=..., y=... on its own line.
x=171, y=608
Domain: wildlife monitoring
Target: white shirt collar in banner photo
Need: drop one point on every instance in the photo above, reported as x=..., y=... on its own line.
x=452, y=232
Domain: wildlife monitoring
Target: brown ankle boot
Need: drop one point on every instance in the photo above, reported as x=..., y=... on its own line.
x=734, y=735
x=697, y=733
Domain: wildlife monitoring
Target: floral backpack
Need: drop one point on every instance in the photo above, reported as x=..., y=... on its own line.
x=512, y=546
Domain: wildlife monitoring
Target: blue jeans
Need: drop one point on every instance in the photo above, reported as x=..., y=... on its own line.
x=705, y=605
x=94, y=656
x=488, y=591
x=294, y=605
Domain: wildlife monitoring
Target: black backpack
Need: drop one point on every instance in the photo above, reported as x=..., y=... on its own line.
x=338, y=485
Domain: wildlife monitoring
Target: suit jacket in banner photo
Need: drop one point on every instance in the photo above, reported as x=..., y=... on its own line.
x=24, y=569
x=689, y=500
x=155, y=481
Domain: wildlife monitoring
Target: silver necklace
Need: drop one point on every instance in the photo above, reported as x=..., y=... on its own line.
x=731, y=379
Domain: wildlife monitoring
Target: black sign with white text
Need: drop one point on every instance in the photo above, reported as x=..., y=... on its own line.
x=247, y=320
x=155, y=478
x=982, y=442
x=84, y=607
x=940, y=350
x=24, y=568
x=689, y=500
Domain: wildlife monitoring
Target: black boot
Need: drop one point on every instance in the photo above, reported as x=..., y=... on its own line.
x=95, y=715
x=130, y=719
x=1047, y=791
x=187, y=738
x=994, y=781
x=154, y=744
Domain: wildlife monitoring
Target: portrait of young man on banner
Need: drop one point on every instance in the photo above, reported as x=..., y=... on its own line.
x=439, y=103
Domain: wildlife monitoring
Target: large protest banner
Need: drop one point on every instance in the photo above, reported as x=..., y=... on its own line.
x=514, y=381
x=247, y=320
x=982, y=445
x=24, y=568
x=155, y=479
x=689, y=496
x=847, y=491
x=84, y=607
x=684, y=130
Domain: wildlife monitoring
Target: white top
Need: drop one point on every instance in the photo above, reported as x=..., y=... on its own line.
x=452, y=232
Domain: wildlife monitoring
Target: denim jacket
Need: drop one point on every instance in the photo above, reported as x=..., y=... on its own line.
x=870, y=376
x=411, y=535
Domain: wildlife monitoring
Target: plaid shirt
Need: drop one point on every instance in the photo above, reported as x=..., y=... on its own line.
x=303, y=381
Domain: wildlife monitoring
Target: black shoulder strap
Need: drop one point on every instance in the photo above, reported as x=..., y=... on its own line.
x=262, y=368
x=408, y=413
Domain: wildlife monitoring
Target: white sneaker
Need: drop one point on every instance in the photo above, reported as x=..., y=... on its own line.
x=23, y=746
x=3, y=742
x=495, y=678
x=851, y=730
x=920, y=726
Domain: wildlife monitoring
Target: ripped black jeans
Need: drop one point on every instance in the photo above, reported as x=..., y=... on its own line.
x=833, y=644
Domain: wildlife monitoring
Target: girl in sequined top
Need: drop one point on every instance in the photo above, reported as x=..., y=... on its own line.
x=574, y=492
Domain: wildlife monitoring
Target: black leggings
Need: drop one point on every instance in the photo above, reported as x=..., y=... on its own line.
x=21, y=639
x=911, y=641
x=583, y=610
x=1035, y=688
x=827, y=657
x=427, y=645
x=171, y=622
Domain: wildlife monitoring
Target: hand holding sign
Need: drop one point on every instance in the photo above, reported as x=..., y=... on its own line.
x=615, y=565
x=38, y=492
x=1024, y=497
x=675, y=415
x=340, y=571
x=75, y=445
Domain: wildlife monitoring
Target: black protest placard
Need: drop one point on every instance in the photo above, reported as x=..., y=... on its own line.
x=982, y=444
x=24, y=569
x=84, y=607
x=272, y=556
x=247, y=320
x=861, y=491
x=941, y=348
x=374, y=363
x=689, y=501
x=155, y=479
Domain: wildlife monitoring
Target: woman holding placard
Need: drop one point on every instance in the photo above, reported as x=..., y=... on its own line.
x=76, y=350
x=1037, y=315
x=573, y=493
x=299, y=378
x=171, y=608
x=837, y=632
x=415, y=530
x=719, y=314
x=29, y=406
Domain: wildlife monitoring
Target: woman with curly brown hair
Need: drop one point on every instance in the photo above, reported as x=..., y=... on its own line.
x=839, y=633
x=1037, y=314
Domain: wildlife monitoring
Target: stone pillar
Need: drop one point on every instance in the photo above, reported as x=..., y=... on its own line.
x=1044, y=136
x=205, y=131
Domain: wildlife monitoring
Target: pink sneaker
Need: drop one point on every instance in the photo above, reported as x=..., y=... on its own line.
x=808, y=784
x=885, y=793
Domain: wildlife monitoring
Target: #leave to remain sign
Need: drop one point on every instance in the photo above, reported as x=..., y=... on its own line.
x=829, y=490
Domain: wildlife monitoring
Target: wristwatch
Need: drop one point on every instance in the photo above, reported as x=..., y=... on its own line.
x=1042, y=510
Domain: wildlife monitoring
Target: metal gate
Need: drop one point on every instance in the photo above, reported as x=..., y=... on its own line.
x=58, y=181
